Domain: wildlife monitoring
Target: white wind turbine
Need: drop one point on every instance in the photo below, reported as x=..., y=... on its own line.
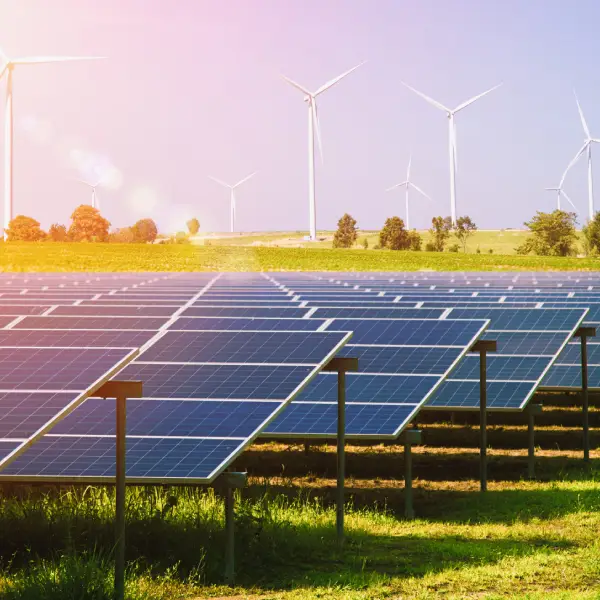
x=587, y=145
x=560, y=192
x=313, y=125
x=450, y=112
x=406, y=185
x=232, y=190
x=8, y=66
x=93, y=186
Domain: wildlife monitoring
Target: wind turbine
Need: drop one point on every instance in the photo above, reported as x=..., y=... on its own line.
x=587, y=145
x=450, y=112
x=406, y=185
x=8, y=66
x=93, y=186
x=560, y=192
x=313, y=125
x=232, y=190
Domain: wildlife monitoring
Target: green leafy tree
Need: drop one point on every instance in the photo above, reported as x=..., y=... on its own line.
x=24, y=229
x=463, y=230
x=365, y=243
x=393, y=235
x=57, y=233
x=552, y=234
x=439, y=233
x=346, y=233
x=415, y=241
x=124, y=235
x=591, y=235
x=193, y=226
x=88, y=225
x=145, y=231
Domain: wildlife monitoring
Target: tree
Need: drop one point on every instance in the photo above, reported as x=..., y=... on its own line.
x=124, y=235
x=591, y=234
x=88, y=225
x=463, y=230
x=552, y=234
x=57, y=233
x=415, y=241
x=346, y=233
x=193, y=226
x=145, y=231
x=393, y=235
x=439, y=232
x=24, y=229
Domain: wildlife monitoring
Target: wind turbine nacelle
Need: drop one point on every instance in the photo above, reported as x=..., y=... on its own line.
x=307, y=99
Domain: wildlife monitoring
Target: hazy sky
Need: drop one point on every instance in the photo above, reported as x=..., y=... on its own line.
x=191, y=88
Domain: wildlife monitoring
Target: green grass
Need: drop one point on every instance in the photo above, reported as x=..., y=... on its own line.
x=68, y=257
x=520, y=540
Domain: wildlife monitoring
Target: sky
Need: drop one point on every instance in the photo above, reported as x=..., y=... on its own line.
x=192, y=88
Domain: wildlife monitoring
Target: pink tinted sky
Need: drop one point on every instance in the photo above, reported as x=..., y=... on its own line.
x=191, y=88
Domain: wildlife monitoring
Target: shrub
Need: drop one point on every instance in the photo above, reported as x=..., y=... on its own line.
x=478, y=250
x=430, y=247
x=346, y=233
x=591, y=235
x=415, y=241
x=144, y=231
x=57, y=233
x=454, y=248
x=553, y=234
x=122, y=236
x=440, y=232
x=24, y=229
x=365, y=243
x=193, y=226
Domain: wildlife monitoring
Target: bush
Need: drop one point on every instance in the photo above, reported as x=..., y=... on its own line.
x=591, y=235
x=144, y=231
x=440, y=232
x=346, y=233
x=193, y=226
x=122, y=236
x=365, y=243
x=430, y=247
x=88, y=225
x=454, y=248
x=24, y=229
x=415, y=241
x=478, y=250
x=57, y=233
x=491, y=251
x=393, y=235
x=553, y=234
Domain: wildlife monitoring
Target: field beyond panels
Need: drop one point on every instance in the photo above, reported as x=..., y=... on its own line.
x=65, y=257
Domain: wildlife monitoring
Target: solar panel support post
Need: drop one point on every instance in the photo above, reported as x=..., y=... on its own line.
x=120, y=390
x=483, y=347
x=532, y=411
x=411, y=436
x=583, y=333
x=341, y=365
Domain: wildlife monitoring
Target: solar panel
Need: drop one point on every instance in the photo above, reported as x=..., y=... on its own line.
x=67, y=338
x=101, y=310
x=258, y=324
x=194, y=419
x=245, y=311
x=115, y=323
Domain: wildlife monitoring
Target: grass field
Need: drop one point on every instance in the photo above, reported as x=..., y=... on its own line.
x=51, y=257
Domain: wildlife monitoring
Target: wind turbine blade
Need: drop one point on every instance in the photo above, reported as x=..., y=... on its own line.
x=3, y=56
x=583, y=122
x=397, y=186
x=245, y=179
x=427, y=98
x=470, y=101
x=568, y=200
x=85, y=182
x=313, y=108
x=32, y=60
x=335, y=80
x=570, y=165
x=408, y=169
x=552, y=189
x=420, y=191
x=220, y=182
x=296, y=85
x=3, y=71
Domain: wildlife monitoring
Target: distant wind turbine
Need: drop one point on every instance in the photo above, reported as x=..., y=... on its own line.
x=406, y=185
x=232, y=190
x=93, y=186
x=313, y=125
x=560, y=192
x=7, y=68
x=587, y=145
x=452, y=137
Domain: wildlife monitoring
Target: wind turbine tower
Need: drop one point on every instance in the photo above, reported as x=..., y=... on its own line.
x=94, y=194
x=406, y=185
x=313, y=126
x=451, y=112
x=7, y=67
x=232, y=197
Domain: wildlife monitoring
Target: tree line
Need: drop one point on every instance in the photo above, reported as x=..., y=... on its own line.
x=88, y=225
x=395, y=236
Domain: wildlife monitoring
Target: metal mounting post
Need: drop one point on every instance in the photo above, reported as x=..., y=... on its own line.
x=483, y=347
x=411, y=436
x=532, y=410
x=583, y=333
x=120, y=390
x=341, y=365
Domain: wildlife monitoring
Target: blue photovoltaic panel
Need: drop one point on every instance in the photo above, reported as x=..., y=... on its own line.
x=244, y=311
x=168, y=418
x=217, y=381
x=374, y=303
x=566, y=372
x=81, y=338
x=234, y=302
x=479, y=304
x=528, y=368
x=120, y=323
x=19, y=310
x=115, y=311
x=377, y=313
x=571, y=355
x=505, y=395
x=241, y=346
x=523, y=319
x=4, y=321
x=593, y=315
x=148, y=459
x=524, y=342
x=23, y=413
x=225, y=323
x=6, y=447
